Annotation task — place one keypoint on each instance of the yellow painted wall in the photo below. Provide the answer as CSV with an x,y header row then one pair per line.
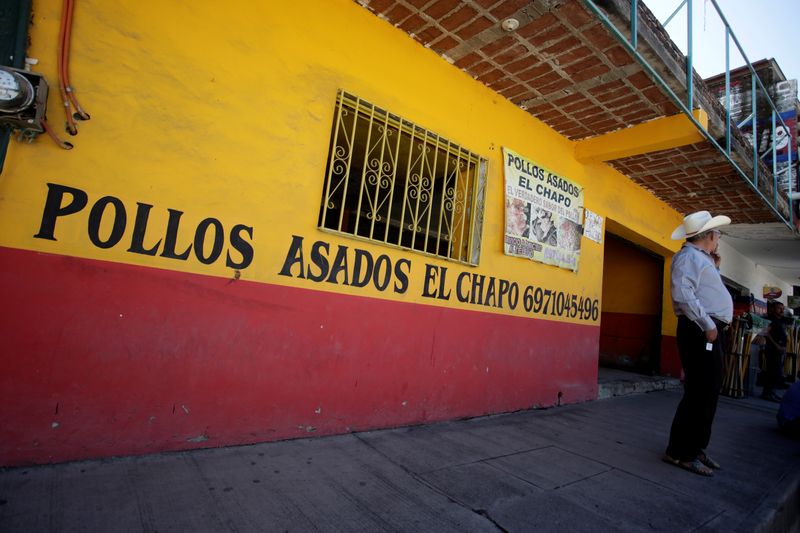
x,y
225,111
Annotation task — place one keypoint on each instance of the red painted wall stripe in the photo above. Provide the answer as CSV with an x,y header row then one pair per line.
x,y
104,359
670,360
630,340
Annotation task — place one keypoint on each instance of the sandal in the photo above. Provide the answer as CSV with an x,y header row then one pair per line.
x,y
692,466
708,461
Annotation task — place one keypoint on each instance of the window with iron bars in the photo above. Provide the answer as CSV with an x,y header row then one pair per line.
x,y
393,182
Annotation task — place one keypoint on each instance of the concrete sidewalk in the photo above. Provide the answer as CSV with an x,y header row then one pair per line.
x,y
589,467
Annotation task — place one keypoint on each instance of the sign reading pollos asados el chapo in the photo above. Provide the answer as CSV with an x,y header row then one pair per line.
x,y
110,223
543,213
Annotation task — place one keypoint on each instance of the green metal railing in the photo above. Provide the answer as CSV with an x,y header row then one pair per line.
x,y
687,105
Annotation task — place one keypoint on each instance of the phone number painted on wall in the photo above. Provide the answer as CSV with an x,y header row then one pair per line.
x,y
320,262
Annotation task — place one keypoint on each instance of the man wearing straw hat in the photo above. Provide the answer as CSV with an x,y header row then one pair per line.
x,y
704,309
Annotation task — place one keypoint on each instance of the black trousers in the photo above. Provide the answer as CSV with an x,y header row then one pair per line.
x,y
773,373
691,427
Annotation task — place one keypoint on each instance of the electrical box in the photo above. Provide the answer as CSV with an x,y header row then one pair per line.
x,y
23,100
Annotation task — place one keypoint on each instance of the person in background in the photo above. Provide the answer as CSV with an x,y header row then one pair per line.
x,y
704,309
774,352
789,411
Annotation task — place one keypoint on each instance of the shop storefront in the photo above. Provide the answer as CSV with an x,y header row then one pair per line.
x,y
275,228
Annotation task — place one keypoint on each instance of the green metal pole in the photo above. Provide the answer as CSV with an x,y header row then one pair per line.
x,y
774,165
689,69
674,13
755,129
728,90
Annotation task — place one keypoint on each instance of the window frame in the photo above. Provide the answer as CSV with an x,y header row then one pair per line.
x,y
460,181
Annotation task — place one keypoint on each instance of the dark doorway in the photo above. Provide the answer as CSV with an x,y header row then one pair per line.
x,y
630,320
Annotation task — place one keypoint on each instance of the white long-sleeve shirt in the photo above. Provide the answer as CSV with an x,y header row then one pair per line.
x,y
697,289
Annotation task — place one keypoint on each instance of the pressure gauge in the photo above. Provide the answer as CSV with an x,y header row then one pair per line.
x,y
16,92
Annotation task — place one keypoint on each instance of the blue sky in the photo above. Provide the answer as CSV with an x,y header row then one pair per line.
x,y
764,28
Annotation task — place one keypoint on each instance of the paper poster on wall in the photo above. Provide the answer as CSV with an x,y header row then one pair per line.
x,y
543,213
593,226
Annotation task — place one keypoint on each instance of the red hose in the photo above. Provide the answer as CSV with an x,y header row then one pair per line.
x,y
61,144
83,115
72,128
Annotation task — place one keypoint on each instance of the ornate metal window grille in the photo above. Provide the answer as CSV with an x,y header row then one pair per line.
x,y
391,181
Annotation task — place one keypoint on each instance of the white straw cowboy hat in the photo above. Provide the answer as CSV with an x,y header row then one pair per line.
x,y
698,223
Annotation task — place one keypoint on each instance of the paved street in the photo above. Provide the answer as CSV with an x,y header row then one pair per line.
x,y
589,467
